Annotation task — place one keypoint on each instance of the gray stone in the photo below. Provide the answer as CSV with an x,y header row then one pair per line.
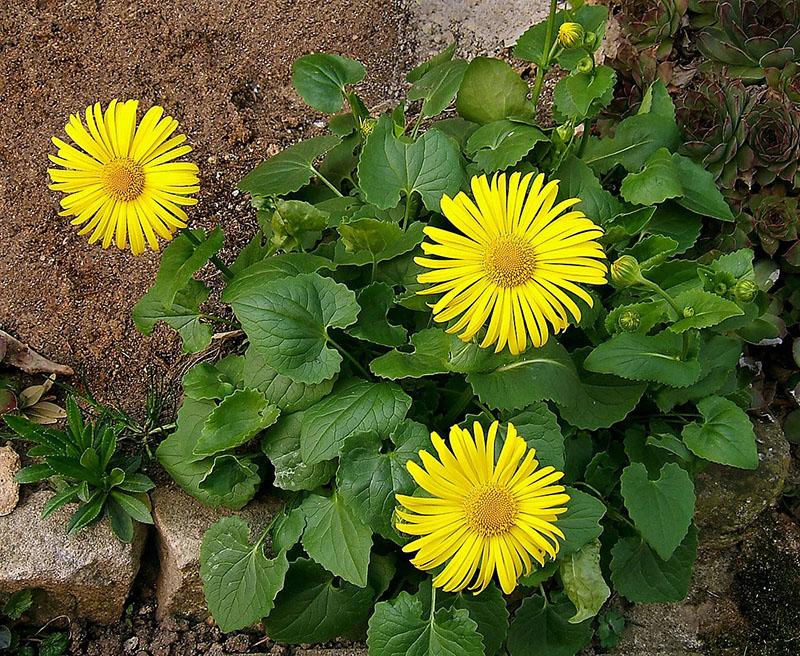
x,y
180,522
729,499
9,488
479,27
86,576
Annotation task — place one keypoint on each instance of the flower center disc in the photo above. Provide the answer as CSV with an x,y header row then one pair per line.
x,y
490,510
509,262
123,179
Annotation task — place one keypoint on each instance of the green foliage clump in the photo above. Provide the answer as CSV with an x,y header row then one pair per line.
x,y
342,376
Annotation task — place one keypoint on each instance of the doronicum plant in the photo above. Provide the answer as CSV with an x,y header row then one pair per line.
x,y
417,272
84,466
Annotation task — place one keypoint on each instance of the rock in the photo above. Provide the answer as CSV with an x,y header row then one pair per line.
x,y
180,522
9,488
730,499
86,576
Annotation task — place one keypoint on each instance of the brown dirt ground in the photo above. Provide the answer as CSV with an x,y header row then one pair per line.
x,y
222,68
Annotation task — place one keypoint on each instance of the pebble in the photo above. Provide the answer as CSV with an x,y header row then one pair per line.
x,y
130,645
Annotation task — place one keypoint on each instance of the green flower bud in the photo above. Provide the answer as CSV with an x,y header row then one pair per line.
x,y
721,288
590,40
745,290
570,34
367,126
565,132
625,271
629,320
585,65
688,311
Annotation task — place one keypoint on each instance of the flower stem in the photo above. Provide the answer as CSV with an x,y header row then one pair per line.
x,y
675,308
223,268
417,125
546,54
328,183
433,602
350,358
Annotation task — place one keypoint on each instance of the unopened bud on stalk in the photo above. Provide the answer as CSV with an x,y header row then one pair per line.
x,y
565,132
585,65
688,311
745,290
625,271
629,320
570,34
367,126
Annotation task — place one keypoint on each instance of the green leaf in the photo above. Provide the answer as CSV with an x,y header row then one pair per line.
x,y
725,435
430,356
227,472
235,421
311,608
281,444
438,86
336,538
17,604
673,221
583,581
652,250
296,225
501,144
438,59
545,373
136,508
368,241
373,324
538,426
635,140
320,79
33,474
641,576
540,627
287,322
54,644
490,91
370,476
205,381
239,582
288,394
181,259
390,168
578,181
581,523
661,509
355,407
580,95
655,183
121,522
700,192
400,627
87,512
707,310
289,170
255,276
533,42
655,358
188,470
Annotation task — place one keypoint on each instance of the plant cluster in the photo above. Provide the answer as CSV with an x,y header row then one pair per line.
x,y
15,642
738,105
350,364
83,465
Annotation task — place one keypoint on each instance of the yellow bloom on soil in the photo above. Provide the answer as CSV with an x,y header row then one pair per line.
x,y
516,264
482,517
121,181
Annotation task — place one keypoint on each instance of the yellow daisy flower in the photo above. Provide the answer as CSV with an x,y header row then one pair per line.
x,y
516,264
123,181
482,516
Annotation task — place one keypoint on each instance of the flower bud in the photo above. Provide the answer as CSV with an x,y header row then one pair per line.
x,y
565,132
625,271
629,320
367,126
745,290
570,34
585,65
688,311
590,40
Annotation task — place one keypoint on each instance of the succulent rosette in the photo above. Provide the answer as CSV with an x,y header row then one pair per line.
x,y
652,22
753,35
772,149
776,217
712,117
